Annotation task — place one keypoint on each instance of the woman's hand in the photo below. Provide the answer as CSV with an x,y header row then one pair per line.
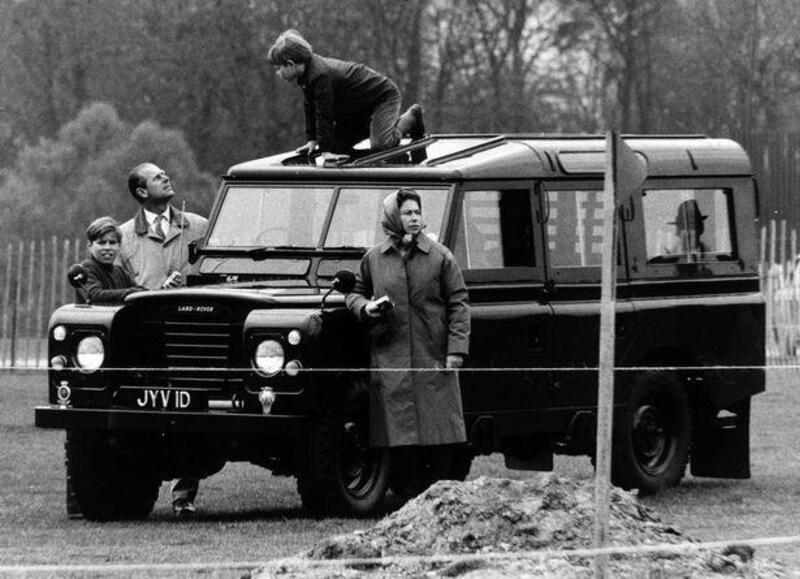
x,y
372,309
454,361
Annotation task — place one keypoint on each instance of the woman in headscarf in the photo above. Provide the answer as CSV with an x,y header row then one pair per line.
x,y
426,326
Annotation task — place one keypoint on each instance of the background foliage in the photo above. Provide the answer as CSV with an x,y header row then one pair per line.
x,y
185,84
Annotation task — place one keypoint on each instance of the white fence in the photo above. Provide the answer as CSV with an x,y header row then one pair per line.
x,y
34,283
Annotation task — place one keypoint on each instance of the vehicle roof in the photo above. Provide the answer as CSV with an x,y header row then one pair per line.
x,y
509,156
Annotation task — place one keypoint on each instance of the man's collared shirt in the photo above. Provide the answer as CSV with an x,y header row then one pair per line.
x,y
147,258
151,218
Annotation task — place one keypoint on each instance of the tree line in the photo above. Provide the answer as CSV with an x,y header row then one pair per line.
x,y
88,87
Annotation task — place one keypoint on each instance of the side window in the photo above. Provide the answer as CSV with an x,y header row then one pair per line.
x,y
495,230
575,228
687,225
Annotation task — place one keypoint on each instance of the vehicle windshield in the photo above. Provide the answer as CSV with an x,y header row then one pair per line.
x,y
272,216
295,216
357,219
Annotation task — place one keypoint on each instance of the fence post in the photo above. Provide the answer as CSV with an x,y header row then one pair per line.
x,y
769,252
40,305
53,273
792,308
15,311
7,299
64,265
30,305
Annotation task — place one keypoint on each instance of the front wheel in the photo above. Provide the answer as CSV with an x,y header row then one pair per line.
x,y
341,473
107,481
652,436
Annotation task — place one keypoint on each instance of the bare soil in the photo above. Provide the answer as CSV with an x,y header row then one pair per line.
x,y
498,515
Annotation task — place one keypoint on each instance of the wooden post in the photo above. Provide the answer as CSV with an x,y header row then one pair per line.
x,y
605,395
40,332
53,274
15,311
773,233
6,338
624,175
30,306
793,306
782,247
772,285
63,274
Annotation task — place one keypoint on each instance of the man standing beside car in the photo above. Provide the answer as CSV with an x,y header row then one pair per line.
x,y
155,251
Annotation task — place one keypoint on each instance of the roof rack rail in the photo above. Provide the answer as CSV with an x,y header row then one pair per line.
x,y
494,138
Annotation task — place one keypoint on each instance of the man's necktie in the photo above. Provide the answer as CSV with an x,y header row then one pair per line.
x,y
158,227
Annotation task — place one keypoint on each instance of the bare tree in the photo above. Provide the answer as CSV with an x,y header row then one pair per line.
x,y
758,48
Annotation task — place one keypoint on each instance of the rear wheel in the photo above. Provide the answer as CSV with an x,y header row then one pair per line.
x,y
341,473
652,437
107,481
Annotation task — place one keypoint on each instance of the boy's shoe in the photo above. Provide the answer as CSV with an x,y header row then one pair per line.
x,y
411,123
183,508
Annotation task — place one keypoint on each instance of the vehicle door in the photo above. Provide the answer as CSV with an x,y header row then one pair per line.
x,y
496,241
574,250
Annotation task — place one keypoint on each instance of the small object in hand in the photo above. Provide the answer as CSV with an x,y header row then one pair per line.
x,y
384,303
171,279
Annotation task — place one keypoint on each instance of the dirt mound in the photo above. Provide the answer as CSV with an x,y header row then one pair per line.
x,y
490,516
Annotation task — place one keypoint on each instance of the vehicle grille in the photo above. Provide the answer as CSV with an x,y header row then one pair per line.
x,y
174,350
196,346
193,344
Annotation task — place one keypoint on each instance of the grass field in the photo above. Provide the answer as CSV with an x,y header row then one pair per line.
x,y
248,515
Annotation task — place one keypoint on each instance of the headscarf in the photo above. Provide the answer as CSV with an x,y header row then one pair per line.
x,y
392,223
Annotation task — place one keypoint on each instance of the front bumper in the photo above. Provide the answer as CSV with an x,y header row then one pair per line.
x,y
55,416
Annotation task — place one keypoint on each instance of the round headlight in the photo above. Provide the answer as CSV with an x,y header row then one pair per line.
x,y
59,333
269,357
90,353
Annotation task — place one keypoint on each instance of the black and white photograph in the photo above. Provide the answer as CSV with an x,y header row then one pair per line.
x,y
400,288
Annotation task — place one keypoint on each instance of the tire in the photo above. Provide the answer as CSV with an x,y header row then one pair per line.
x,y
341,474
106,483
652,437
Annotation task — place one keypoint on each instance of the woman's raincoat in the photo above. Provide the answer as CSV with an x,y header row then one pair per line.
x,y
430,319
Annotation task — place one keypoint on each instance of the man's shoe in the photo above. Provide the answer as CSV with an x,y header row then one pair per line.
x,y
183,508
418,129
411,123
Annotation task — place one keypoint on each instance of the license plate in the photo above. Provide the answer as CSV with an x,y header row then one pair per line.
x,y
163,399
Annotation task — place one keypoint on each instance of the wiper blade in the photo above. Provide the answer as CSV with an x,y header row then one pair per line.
x,y
266,250
281,251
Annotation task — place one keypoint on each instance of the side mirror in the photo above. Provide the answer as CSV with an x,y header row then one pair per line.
x,y
344,281
193,253
76,276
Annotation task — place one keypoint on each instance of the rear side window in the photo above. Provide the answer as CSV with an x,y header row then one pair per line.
x,y
495,230
687,225
575,228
